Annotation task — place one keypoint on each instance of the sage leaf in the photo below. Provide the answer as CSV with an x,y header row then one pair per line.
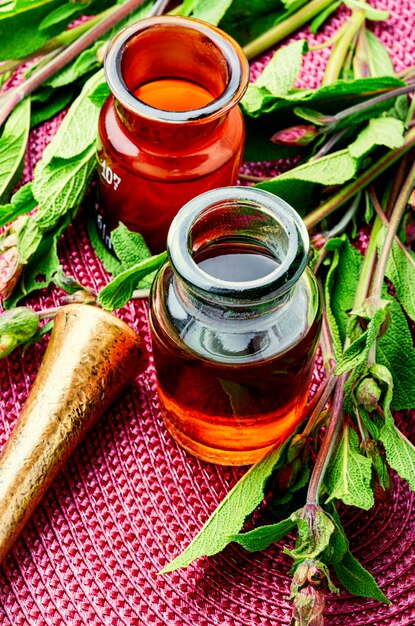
x,y
44,110
85,63
21,202
315,529
60,16
357,580
380,63
108,260
400,452
357,353
129,247
261,538
230,515
19,35
322,17
206,10
299,186
380,131
61,187
390,348
13,143
335,97
283,69
350,473
119,291
400,270
79,128
340,288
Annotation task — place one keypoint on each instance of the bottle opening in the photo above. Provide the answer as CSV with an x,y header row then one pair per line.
x,y
238,243
176,69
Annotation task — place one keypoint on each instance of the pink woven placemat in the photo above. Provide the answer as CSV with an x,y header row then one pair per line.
x,y
129,499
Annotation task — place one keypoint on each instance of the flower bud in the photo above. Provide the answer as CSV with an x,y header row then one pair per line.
x,y
10,271
309,607
300,135
16,328
368,394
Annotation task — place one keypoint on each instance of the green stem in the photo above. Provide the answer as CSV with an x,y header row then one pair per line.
x,y
338,56
348,191
395,220
285,28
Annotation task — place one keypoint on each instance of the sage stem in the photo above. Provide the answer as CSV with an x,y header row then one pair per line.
x,y
368,176
285,28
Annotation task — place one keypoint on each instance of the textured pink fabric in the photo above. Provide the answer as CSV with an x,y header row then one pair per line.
x,y
130,498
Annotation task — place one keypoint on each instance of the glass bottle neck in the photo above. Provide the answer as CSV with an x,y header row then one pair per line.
x,y
237,249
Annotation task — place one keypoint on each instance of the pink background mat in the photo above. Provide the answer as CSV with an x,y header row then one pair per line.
x,y
130,499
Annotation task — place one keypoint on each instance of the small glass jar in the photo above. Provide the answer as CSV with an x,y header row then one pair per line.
x,y
235,317
171,128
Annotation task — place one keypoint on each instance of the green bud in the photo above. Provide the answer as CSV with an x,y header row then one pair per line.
x,y
368,394
16,328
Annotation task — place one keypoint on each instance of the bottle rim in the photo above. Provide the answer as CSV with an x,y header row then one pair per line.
x,y
233,54
287,222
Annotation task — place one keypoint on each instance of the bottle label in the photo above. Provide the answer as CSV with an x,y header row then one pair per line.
x,y
102,227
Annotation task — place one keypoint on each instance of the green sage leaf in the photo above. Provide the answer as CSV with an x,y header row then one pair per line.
x,y
13,143
350,473
261,538
400,452
108,260
390,348
380,131
370,12
21,202
206,10
119,291
357,580
299,186
400,270
380,63
230,515
60,16
283,69
129,247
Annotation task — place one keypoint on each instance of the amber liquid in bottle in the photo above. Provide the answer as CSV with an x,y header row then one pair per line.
x,y
173,94
239,397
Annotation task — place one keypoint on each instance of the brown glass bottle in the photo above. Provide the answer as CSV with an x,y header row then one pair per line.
x,y
235,318
171,128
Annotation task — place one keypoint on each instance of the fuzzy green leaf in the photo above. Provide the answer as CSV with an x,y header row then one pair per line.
x,y
129,247
380,63
21,202
53,104
60,16
323,16
400,452
283,69
357,580
60,187
208,11
260,538
350,473
401,272
380,131
119,291
13,143
298,185
395,350
86,62
230,515
340,289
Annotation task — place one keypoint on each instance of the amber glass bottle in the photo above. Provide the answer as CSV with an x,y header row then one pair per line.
x,y
171,128
235,318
